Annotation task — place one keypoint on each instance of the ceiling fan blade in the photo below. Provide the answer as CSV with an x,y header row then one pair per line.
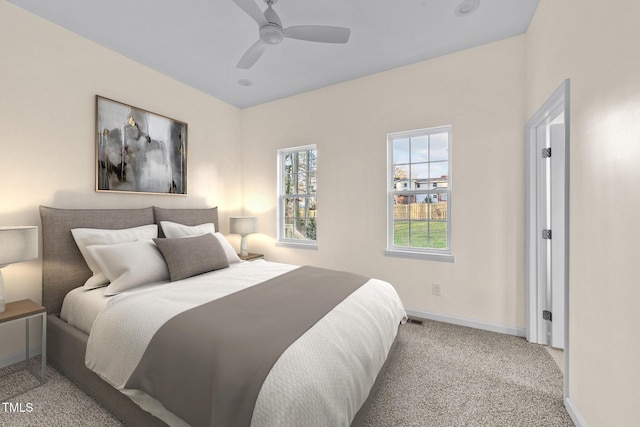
x,y
252,55
318,33
272,16
252,9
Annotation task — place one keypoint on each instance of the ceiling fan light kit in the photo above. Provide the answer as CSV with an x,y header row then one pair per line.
x,y
272,32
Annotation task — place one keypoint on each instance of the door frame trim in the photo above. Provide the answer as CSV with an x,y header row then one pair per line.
x,y
558,100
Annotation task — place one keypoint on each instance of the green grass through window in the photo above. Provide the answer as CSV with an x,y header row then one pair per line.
x,y
420,234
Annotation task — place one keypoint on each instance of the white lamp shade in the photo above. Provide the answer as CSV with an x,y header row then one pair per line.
x,y
243,225
18,244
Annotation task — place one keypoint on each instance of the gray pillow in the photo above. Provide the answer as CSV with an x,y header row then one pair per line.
x,y
191,256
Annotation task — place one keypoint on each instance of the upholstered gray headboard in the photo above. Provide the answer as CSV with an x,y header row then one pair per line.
x,y
63,267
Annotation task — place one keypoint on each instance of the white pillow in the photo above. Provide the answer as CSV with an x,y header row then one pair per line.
x,y
131,264
93,236
232,256
173,230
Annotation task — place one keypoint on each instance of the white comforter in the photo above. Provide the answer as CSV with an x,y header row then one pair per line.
x,y
361,330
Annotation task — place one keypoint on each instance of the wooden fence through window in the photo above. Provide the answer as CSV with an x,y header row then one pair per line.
x,y
437,211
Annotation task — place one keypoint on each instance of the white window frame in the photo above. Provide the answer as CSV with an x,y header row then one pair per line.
x,y
433,254
281,239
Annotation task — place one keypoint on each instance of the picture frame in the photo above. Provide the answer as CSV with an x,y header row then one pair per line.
x,y
138,151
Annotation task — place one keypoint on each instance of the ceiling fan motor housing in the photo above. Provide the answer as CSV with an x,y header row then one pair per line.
x,y
271,33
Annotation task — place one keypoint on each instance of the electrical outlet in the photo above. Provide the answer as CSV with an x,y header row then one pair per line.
x,y
437,289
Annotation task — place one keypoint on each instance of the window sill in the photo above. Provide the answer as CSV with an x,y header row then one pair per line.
x,y
300,245
420,255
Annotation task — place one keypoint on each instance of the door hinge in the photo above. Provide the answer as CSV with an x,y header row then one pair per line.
x,y
546,234
546,153
546,315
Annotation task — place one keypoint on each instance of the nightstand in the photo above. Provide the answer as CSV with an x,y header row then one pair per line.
x,y
251,257
27,310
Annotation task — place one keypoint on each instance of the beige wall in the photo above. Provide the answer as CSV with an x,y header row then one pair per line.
x,y
481,93
596,45
49,78
48,81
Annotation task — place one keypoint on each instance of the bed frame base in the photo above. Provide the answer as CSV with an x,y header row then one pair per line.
x,y
66,349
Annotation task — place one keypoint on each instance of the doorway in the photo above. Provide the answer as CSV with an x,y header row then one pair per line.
x,y
547,222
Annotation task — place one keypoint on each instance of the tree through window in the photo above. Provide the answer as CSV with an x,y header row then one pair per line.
x,y
297,204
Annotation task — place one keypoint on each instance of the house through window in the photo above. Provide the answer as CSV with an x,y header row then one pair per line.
x,y
419,193
297,204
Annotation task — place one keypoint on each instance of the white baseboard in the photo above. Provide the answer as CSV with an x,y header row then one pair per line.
x,y
493,327
573,413
19,357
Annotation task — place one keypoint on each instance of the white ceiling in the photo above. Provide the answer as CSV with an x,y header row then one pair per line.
x,y
199,42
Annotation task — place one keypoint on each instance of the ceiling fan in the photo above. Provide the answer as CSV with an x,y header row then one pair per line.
x,y
272,32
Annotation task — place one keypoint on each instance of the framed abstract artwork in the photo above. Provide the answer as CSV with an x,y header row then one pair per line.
x,y
138,151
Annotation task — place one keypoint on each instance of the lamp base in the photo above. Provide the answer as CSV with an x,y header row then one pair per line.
x,y
244,246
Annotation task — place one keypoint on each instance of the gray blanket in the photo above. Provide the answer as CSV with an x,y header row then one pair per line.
x,y
207,364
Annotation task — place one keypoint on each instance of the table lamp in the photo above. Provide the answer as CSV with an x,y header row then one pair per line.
x,y
243,225
17,244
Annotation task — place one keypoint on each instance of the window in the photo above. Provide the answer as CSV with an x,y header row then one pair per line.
x,y
419,190
297,205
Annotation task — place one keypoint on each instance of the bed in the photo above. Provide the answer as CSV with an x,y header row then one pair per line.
x,y
347,347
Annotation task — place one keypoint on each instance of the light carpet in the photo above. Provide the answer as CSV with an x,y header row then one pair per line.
x,y
447,375
440,375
